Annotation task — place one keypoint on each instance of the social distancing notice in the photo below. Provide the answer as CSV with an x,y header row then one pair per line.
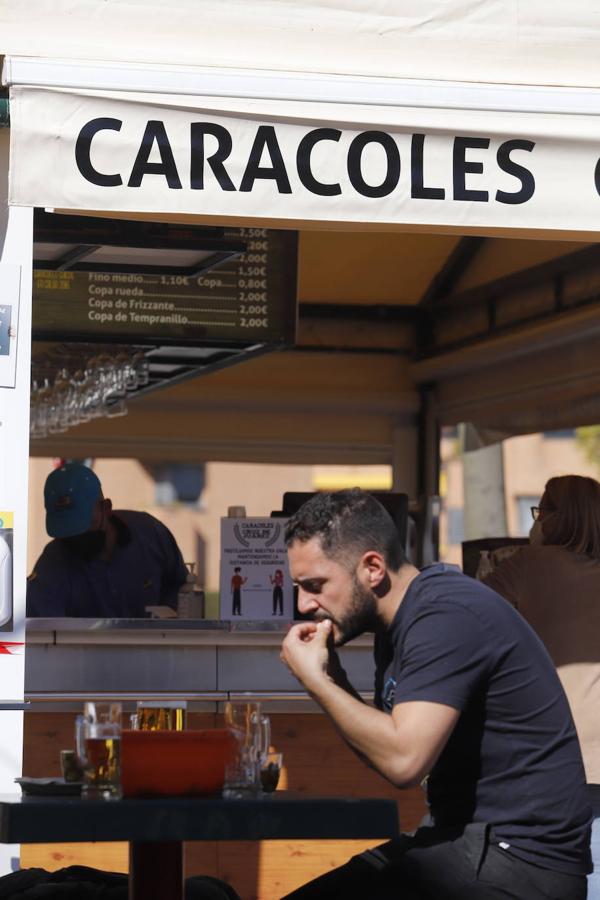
x,y
255,582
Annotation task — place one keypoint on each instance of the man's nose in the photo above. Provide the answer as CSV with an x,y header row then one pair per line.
x,y
307,602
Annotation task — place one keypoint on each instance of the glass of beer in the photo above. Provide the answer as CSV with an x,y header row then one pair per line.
x,y
160,715
98,741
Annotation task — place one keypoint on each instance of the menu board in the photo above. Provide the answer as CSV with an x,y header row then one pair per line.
x,y
250,298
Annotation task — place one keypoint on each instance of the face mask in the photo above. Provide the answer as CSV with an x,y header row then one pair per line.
x,y
536,535
86,546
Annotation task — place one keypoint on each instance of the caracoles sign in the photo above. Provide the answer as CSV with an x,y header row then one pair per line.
x,y
211,147
251,161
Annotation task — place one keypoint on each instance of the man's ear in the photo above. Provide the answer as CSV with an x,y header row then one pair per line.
x,y
373,568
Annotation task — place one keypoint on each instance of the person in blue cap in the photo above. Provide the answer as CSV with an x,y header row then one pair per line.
x,y
102,563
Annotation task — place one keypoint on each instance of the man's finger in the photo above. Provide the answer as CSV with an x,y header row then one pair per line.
x,y
305,631
323,630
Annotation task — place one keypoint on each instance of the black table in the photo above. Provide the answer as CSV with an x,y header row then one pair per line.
x,y
157,827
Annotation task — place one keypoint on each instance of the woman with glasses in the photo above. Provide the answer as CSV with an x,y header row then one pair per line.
x,y
555,585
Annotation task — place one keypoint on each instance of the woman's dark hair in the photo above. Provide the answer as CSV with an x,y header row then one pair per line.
x,y
347,523
570,514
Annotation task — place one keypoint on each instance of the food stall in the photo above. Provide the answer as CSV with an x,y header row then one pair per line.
x,y
439,200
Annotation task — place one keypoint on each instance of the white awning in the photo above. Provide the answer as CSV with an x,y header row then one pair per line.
x,y
369,153
493,41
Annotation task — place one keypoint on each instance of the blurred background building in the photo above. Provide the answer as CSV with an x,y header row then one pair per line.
x,y
191,499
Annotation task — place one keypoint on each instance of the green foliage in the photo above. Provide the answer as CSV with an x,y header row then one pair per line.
x,y
588,440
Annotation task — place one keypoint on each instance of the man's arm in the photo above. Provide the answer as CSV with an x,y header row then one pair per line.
x,y
174,570
402,747
338,675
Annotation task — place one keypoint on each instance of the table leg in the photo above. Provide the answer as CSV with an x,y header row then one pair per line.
x,y
156,870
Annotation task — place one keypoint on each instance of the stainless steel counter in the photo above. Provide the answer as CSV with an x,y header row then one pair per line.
x,y
203,661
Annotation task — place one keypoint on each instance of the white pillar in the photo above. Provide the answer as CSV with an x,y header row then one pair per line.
x,y
16,238
485,503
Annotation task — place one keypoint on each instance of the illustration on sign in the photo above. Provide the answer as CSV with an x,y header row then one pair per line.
x,y
9,318
6,567
255,580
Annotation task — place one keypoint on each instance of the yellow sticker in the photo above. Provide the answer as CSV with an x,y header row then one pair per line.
x,y
6,519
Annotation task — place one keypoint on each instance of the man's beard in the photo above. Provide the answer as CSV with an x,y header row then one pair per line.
x,y
361,616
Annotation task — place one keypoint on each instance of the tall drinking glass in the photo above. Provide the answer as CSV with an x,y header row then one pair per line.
x,y
252,731
98,742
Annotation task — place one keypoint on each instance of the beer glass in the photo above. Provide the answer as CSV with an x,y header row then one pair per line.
x,y
98,742
160,715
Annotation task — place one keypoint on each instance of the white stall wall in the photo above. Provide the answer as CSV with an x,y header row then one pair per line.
x,y
16,231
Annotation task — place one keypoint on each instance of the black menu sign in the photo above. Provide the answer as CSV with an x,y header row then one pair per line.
x,y
247,299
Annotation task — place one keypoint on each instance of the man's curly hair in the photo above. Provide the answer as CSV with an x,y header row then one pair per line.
x,y
347,524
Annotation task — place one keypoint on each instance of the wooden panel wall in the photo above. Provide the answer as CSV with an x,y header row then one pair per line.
x,y
316,761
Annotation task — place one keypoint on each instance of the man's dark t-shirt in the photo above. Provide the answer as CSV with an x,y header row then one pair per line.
x,y
513,760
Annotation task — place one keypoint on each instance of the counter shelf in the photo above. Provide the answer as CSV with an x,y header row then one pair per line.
x,y
205,662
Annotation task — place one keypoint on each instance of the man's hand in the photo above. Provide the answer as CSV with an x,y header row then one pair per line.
x,y
305,651
404,746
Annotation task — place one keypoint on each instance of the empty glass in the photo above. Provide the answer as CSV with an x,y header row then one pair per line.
x,y
242,776
250,727
98,387
252,731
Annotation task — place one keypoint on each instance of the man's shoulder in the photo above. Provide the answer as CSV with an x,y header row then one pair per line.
x,y
443,590
443,579
133,515
53,552
139,520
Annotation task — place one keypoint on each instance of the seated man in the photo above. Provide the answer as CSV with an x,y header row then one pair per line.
x,y
101,563
467,699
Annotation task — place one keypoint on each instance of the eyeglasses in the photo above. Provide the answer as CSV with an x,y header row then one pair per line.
x,y
537,512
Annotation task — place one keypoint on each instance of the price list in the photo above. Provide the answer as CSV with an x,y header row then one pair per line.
x,y
247,299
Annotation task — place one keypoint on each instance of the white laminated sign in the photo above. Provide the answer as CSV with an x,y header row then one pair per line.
x,y
9,319
255,579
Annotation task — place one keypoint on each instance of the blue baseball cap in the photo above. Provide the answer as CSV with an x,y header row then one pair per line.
x,y
70,495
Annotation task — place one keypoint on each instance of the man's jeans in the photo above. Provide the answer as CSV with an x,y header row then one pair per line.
x,y
430,865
